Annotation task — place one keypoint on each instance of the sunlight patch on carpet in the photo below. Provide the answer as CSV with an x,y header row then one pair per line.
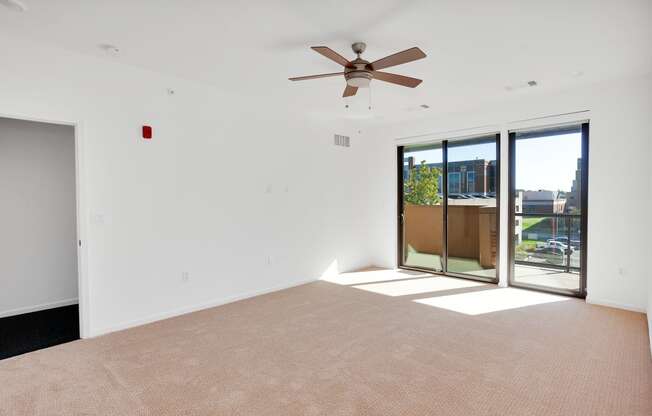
x,y
487,301
415,286
371,276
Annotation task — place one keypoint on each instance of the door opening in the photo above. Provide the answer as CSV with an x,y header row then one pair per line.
x,y
39,277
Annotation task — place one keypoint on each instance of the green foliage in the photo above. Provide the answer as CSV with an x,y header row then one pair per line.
x,y
422,185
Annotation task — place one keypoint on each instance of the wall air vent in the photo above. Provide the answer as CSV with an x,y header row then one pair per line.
x,y
344,141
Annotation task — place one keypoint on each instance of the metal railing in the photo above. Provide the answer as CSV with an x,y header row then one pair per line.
x,y
557,237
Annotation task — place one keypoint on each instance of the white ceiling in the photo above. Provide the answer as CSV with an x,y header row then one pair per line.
x,y
475,48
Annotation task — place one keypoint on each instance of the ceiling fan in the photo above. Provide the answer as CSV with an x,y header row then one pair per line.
x,y
359,73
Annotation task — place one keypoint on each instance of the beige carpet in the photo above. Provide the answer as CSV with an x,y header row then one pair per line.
x,y
329,348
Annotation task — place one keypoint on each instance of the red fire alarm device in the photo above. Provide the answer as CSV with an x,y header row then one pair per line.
x,y
147,132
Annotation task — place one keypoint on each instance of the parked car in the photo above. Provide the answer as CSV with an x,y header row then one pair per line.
x,y
550,255
574,244
562,239
558,244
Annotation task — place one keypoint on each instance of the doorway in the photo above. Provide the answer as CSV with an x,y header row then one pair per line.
x,y
448,207
39,284
548,181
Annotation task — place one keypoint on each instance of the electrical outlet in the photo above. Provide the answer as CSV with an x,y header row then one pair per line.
x,y
185,276
98,219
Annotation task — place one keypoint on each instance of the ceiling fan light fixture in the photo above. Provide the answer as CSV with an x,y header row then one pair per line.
x,y
358,79
358,82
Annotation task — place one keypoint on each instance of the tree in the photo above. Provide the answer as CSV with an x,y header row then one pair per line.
x,y
422,185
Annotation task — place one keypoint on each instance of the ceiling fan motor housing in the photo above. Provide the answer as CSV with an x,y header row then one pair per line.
x,y
357,75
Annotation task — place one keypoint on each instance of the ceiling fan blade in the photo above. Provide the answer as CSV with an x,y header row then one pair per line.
x,y
333,74
331,54
349,91
398,58
396,79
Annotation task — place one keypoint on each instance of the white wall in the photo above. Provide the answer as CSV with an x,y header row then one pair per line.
x,y
241,193
619,177
38,241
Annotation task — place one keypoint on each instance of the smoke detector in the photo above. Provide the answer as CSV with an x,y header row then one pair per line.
x,y
15,5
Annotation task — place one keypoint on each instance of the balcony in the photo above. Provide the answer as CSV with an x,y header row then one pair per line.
x,y
547,250
472,236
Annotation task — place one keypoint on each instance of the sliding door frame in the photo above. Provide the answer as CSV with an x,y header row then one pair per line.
x,y
444,194
401,217
584,185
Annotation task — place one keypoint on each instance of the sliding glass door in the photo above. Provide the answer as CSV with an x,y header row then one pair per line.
x,y
448,210
472,221
422,210
548,198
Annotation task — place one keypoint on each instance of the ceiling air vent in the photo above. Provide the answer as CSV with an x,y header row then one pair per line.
x,y
344,141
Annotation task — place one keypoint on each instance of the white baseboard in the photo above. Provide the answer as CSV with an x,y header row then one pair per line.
x,y
611,304
194,308
40,307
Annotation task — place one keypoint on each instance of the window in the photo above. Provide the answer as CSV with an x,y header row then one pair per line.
x,y
546,168
454,183
470,182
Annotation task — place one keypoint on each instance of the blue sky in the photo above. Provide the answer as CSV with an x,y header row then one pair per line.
x,y
547,162
541,163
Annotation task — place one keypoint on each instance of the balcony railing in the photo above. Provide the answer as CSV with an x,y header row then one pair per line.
x,y
548,240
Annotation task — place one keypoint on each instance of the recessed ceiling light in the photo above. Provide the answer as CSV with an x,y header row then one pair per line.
x,y
15,5
108,48
521,86
577,73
